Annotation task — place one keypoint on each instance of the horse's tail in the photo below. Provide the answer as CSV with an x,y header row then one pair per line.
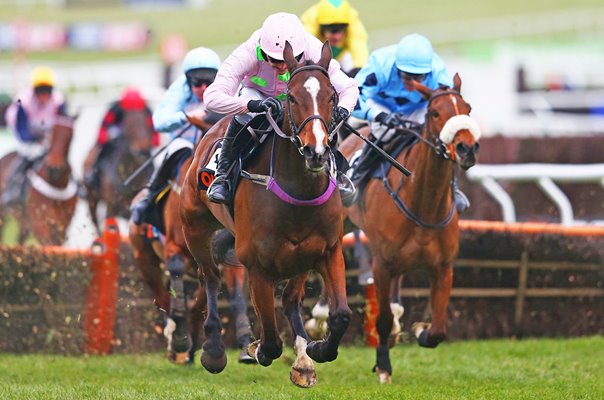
x,y
223,248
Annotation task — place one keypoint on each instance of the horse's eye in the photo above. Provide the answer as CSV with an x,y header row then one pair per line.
x,y
434,114
290,98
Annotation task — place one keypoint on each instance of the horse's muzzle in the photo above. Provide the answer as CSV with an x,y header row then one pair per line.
x,y
466,155
314,161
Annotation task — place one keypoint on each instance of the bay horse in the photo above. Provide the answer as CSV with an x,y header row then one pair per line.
x,y
52,194
412,222
122,156
282,233
184,304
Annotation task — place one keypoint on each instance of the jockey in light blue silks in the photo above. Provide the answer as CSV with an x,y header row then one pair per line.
x,y
183,101
385,97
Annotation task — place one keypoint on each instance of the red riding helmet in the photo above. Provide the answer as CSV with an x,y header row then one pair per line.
x,y
132,100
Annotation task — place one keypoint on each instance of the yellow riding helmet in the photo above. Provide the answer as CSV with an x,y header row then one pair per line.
x,y
333,12
42,76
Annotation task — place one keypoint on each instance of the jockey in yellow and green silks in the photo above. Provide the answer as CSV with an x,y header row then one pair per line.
x,y
337,22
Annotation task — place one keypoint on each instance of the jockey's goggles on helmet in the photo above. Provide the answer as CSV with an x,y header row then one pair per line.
x,y
201,76
415,77
333,28
272,60
43,89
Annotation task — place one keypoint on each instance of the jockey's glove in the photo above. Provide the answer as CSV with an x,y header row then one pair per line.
x,y
270,103
391,120
341,114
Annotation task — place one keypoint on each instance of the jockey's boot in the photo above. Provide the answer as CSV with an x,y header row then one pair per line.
x,y
345,185
368,155
220,191
15,186
158,181
461,200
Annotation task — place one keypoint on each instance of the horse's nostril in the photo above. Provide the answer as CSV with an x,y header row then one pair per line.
x,y
308,152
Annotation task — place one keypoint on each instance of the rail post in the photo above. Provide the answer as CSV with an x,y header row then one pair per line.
x,y
102,293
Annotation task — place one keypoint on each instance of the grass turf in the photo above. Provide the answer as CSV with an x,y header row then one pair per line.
x,y
490,369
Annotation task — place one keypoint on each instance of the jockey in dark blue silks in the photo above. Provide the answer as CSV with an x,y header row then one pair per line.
x,y
183,101
385,95
31,116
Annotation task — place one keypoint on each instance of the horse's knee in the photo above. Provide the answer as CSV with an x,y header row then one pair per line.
x,y
425,339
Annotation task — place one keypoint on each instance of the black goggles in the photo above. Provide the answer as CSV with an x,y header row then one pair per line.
x,y
43,89
201,76
272,60
414,77
333,28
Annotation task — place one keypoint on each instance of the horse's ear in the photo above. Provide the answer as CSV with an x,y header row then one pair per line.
x,y
457,83
325,55
288,57
424,90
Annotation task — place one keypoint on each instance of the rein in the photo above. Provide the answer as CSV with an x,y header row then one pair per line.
x,y
442,150
269,181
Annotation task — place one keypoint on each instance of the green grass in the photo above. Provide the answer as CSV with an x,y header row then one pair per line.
x,y
493,369
227,22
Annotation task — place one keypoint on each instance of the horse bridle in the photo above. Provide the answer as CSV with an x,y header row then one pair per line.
x,y
332,127
441,148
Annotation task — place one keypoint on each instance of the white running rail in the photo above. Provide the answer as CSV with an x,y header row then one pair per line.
x,y
544,175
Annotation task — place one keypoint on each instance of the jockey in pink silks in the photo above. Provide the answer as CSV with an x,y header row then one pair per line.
x,y
253,79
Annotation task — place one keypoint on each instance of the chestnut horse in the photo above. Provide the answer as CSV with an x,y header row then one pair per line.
x,y
185,303
53,192
281,233
122,157
411,222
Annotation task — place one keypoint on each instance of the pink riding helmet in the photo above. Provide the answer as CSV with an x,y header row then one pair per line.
x,y
278,28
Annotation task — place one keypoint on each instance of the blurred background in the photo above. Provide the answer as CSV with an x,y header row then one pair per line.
x,y
529,69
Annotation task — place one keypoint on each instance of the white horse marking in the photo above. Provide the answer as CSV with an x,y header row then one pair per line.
x,y
313,86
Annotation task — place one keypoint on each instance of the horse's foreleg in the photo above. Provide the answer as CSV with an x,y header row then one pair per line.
x,y
303,372
235,280
334,279
149,264
181,339
270,346
430,335
196,310
316,327
384,321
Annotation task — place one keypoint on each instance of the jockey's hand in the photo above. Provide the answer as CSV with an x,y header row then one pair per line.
x,y
341,114
270,103
197,118
391,120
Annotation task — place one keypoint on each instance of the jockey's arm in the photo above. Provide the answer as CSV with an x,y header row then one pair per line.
x,y
220,96
169,114
369,85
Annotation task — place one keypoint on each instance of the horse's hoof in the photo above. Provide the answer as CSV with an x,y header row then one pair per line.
x,y
418,327
384,376
214,365
303,378
251,348
245,358
181,344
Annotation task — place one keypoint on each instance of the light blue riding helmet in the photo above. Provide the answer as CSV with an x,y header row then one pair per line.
x,y
414,54
201,57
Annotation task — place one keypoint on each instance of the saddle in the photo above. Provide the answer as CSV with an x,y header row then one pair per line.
x,y
247,143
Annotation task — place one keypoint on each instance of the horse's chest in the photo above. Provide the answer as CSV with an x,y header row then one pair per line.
x,y
292,256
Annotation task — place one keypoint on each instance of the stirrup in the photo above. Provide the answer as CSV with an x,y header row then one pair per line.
x,y
347,189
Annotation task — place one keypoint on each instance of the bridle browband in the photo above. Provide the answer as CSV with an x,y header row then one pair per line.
x,y
331,128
